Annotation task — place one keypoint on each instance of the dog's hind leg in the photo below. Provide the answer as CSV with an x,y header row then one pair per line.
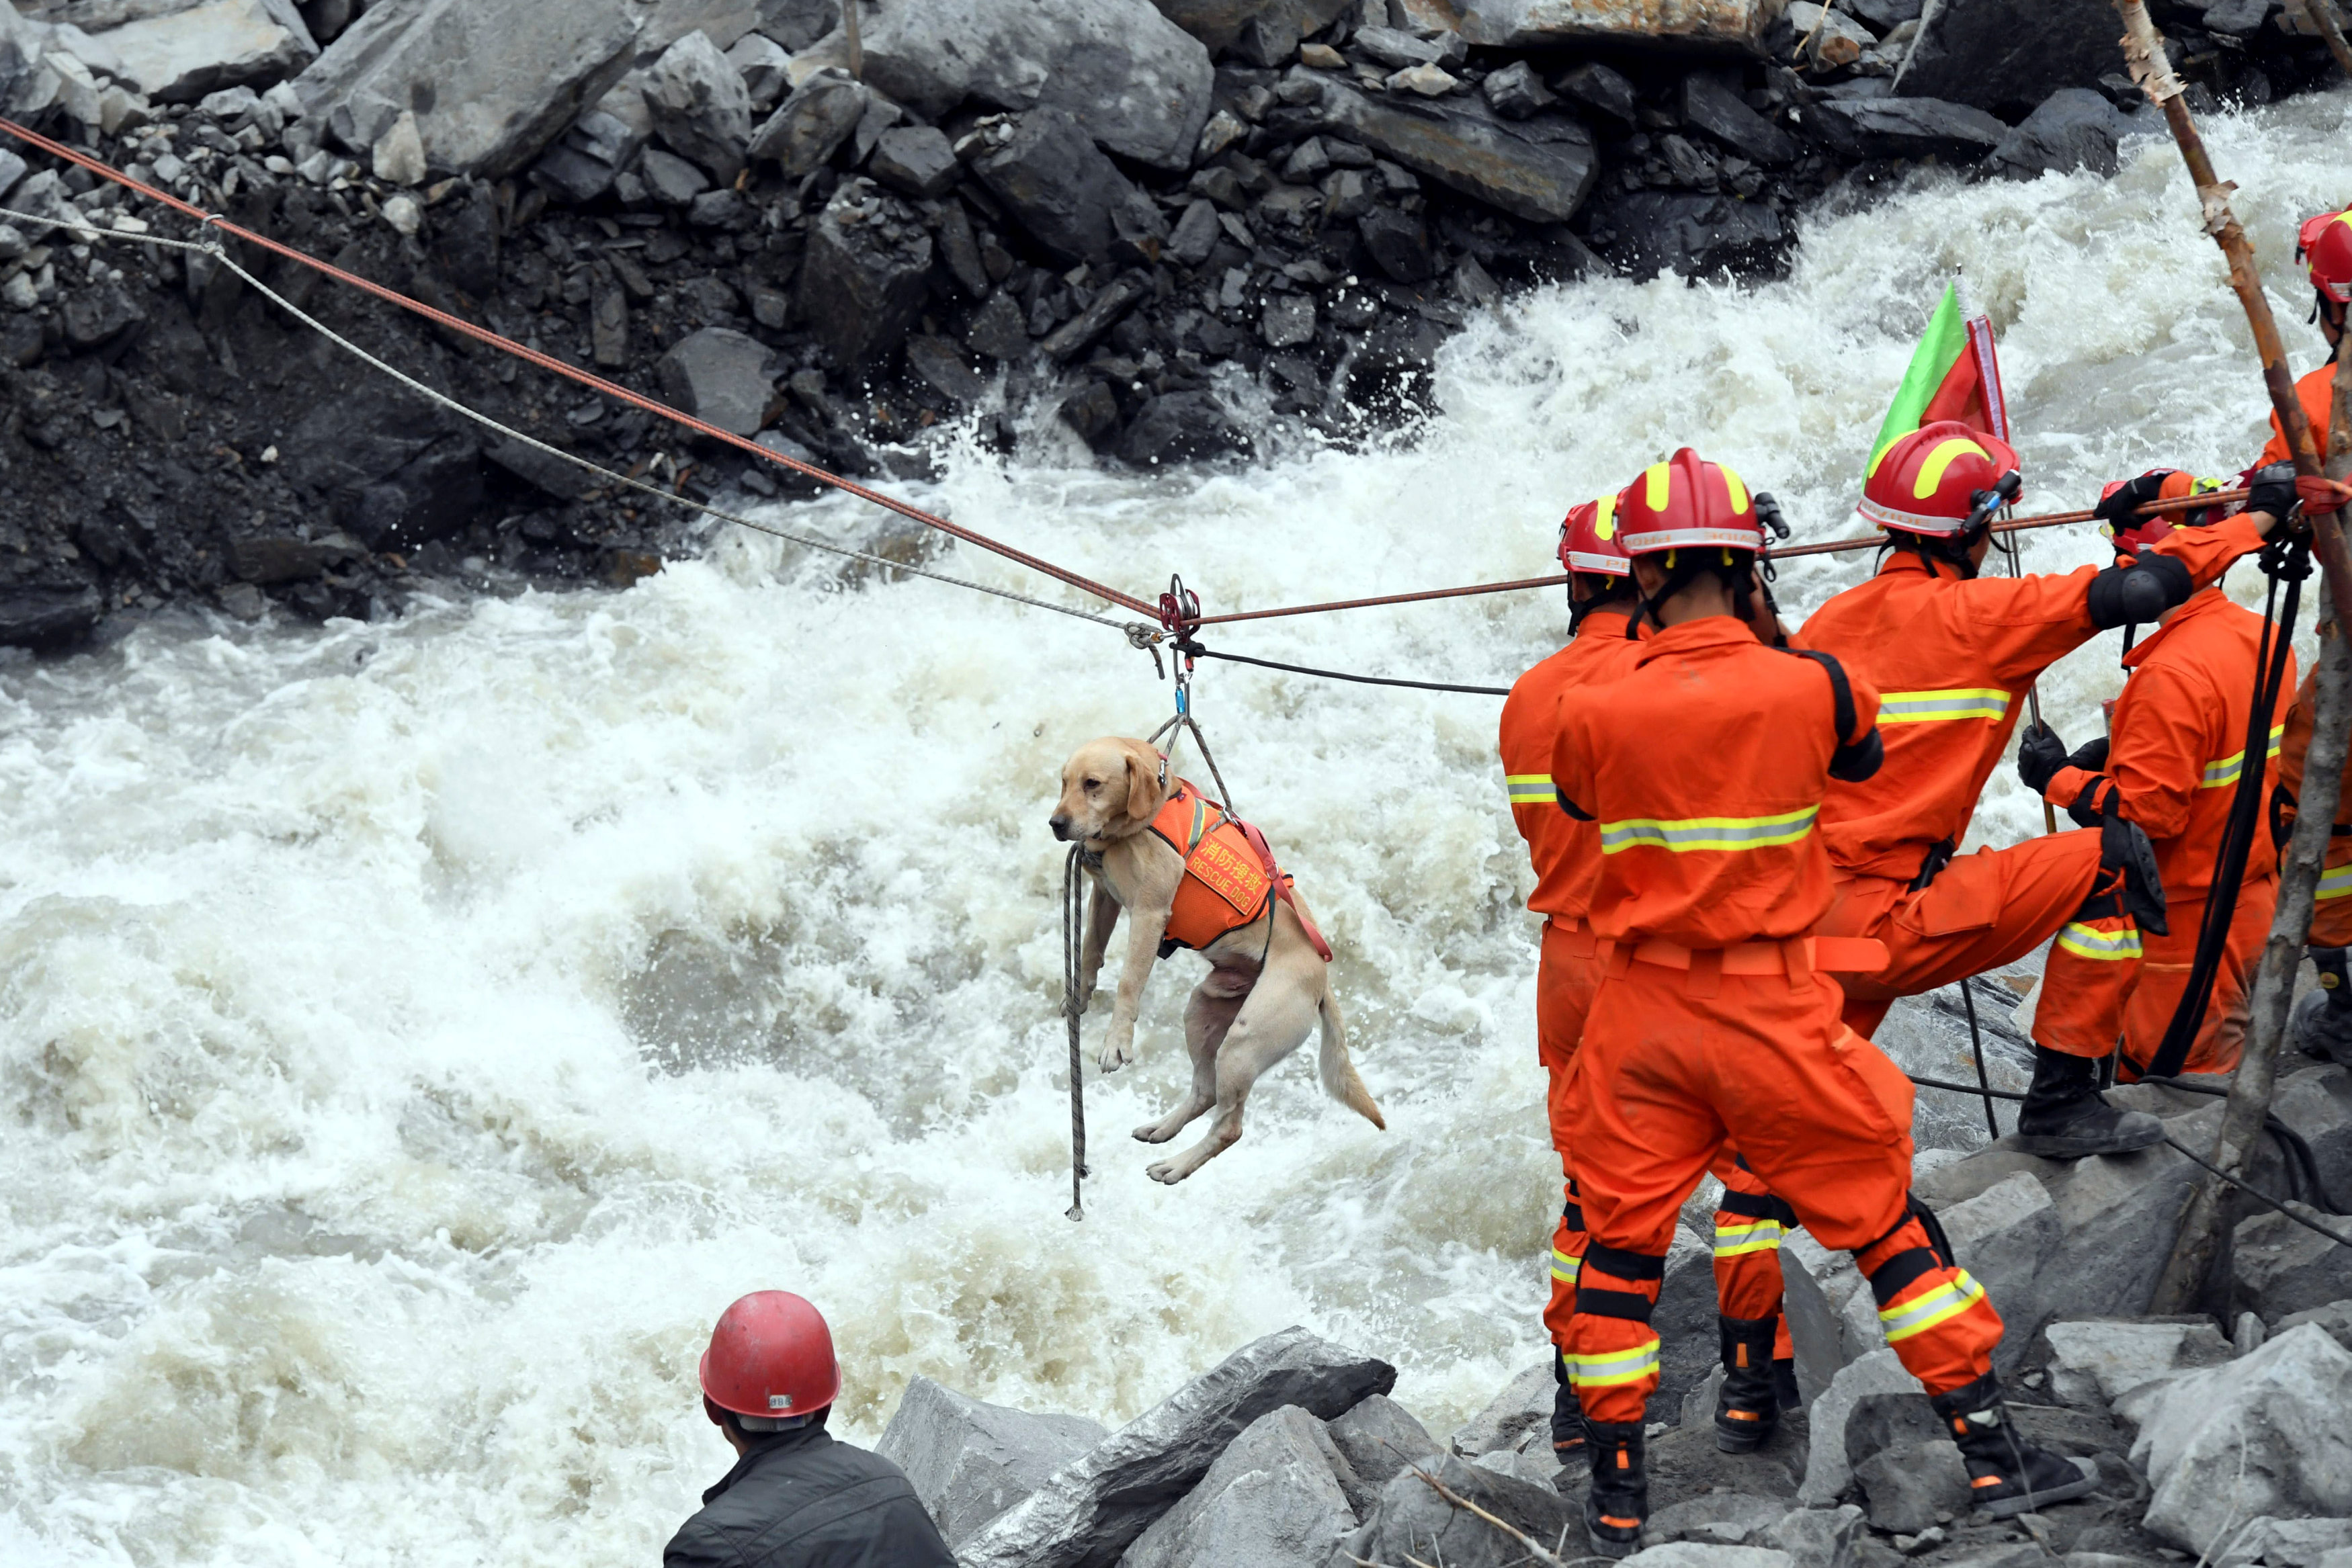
x,y
1207,1016
1274,1020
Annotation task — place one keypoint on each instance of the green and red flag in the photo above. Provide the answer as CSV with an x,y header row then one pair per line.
x,y
1954,374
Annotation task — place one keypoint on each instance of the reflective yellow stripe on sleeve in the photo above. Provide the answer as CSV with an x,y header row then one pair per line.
x,y
1564,1267
1611,1368
1918,1315
2219,775
1708,832
2336,882
1531,790
1928,707
1748,1236
2090,942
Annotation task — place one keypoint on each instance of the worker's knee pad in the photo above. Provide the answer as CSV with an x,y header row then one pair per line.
x,y
1638,1268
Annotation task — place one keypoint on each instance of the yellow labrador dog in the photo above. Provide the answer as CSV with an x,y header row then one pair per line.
x,y
1268,980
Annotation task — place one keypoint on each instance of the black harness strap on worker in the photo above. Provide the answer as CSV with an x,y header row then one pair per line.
x,y
2287,561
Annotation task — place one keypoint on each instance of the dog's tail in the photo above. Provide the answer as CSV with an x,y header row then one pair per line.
x,y
1339,1069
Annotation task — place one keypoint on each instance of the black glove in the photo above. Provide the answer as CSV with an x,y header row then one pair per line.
x,y
2091,757
2124,847
2122,509
2040,755
2272,490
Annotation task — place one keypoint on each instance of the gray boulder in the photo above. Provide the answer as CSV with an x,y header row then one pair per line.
x,y
1539,170
1095,1508
1415,1521
1828,1470
1140,84
1516,92
797,24
700,108
864,279
496,82
1906,128
721,377
1195,234
2008,55
1690,1345
181,56
2335,1320
813,124
2285,1542
396,472
998,329
1670,231
1599,89
1713,107
1273,1500
1718,1519
1523,1406
1379,1439
1218,24
2100,1360
970,1461
1101,314
34,616
1817,1537
2263,1435
915,159
2075,128
765,66
2282,1268
2006,1237
1060,187
1542,24
1702,1554
1911,1483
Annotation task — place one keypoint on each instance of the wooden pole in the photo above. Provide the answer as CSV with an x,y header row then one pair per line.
x,y
857,44
2321,17
2200,1238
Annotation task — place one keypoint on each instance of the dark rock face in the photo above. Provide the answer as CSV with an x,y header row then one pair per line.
x,y
1907,127
1057,184
1542,176
2075,128
2008,55
1657,231
863,283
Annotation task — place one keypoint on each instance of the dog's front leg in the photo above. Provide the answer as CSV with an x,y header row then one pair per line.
x,y
1143,933
1102,917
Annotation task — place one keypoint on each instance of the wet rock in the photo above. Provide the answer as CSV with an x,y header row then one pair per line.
x,y
396,472
1138,83
1910,1484
1667,231
970,1461
1268,40
1400,50
1379,1437
1462,145
1094,1508
1195,234
242,600
1690,1345
2263,1435
2284,1542
1060,187
180,55
669,179
998,330
1398,243
798,24
1415,1521
1273,1500
916,158
36,617
1514,92
274,560
1817,1537
1906,128
1080,331
2007,55
2009,1236
1828,1470
1711,106
1717,1518
700,108
1544,24
1177,426
2075,128
1523,1406
812,125
95,317
2334,1318
763,64
2282,1268
1092,411
1218,24
2099,1360
1601,90
542,470
12,169
866,275
490,87
721,377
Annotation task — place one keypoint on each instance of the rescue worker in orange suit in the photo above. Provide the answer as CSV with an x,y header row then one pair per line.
x,y
1953,653
1603,645
1703,771
2325,246
796,1497
2170,764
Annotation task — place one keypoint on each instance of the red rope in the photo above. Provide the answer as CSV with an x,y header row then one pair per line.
x,y
594,382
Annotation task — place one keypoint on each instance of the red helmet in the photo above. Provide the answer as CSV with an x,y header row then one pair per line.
x,y
771,1355
1590,539
2325,243
1927,482
1687,501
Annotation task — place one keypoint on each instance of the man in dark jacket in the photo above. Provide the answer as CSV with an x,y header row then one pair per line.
x,y
796,1499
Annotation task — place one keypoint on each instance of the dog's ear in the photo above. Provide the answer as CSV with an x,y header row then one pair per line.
x,y
1145,793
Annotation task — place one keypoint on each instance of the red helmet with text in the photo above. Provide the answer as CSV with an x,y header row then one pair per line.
x,y
1686,502
2326,243
771,1357
1928,482
1590,540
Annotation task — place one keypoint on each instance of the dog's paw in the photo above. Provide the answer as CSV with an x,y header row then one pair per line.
x,y
1149,1133
1167,1172
1116,1054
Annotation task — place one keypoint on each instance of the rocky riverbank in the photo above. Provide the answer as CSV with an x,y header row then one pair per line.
x,y
1169,229
2216,1436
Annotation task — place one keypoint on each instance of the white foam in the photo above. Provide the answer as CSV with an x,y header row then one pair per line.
x,y
417,1033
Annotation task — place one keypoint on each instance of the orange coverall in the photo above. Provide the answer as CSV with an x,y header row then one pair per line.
x,y
2317,392
1952,659
1567,858
2177,746
1704,772
2331,915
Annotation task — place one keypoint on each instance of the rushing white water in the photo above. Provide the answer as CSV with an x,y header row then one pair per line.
x,y
411,1036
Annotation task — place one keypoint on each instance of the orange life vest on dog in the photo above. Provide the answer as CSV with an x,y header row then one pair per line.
x,y
1230,875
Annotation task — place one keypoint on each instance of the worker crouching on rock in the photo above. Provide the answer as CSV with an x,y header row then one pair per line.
x,y
796,1499
1703,770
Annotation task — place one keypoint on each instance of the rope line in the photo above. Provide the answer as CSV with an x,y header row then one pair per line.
x,y
214,221
1360,679
1074,921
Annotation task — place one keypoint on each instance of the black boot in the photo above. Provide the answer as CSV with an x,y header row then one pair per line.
x,y
2323,1021
2007,1474
1620,1499
1784,1383
1567,1414
1748,1410
2064,1117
